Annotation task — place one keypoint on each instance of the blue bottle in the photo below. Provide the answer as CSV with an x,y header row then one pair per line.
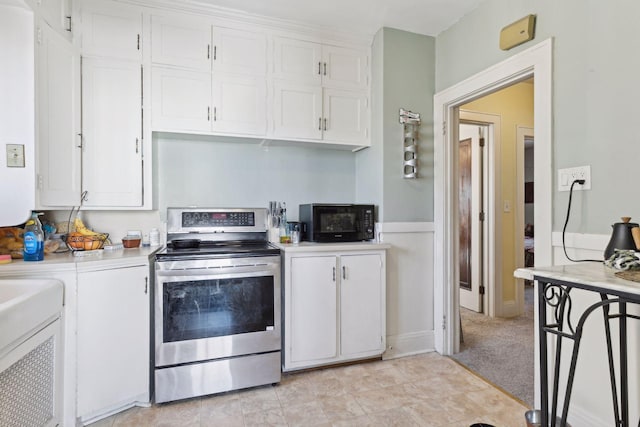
x,y
33,240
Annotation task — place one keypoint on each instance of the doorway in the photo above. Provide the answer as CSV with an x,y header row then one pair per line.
x,y
535,61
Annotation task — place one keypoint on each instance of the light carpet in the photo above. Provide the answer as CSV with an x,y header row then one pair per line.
x,y
501,350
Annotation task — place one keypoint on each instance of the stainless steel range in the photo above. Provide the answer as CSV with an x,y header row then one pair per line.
x,y
216,304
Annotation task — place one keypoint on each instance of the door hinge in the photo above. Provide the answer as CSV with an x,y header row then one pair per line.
x,y
39,35
444,128
481,216
482,142
481,290
444,322
40,182
68,23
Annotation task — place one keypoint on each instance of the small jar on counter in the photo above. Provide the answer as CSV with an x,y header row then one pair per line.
x,y
154,237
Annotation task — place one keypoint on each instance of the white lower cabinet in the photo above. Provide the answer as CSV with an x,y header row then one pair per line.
x,y
112,340
334,307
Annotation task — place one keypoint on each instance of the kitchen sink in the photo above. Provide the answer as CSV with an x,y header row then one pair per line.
x,y
26,306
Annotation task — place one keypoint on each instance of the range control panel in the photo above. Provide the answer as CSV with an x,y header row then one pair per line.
x,y
218,219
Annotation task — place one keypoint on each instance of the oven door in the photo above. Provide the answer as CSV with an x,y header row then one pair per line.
x,y
210,309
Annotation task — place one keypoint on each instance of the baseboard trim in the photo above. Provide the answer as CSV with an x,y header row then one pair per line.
x,y
596,242
409,344
583,418
510,309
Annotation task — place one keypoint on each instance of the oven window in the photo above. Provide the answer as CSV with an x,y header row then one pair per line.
x,y
218,307
337,222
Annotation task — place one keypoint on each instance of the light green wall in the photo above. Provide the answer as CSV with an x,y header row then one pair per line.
x,y
197,171
595,91
403,75
369,161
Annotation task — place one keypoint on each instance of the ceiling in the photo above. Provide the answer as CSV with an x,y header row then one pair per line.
x,y
428,17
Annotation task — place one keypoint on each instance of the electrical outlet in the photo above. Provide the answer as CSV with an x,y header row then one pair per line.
x,y
568,175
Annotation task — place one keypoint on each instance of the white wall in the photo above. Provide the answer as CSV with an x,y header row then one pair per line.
x,y
17,112
410,323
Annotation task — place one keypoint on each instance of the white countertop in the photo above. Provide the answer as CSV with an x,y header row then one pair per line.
x,y
332,247
588,273
67,261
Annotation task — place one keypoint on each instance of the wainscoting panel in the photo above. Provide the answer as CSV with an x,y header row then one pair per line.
x,y
410,322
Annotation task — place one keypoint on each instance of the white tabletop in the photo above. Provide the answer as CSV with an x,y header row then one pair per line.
x,y
593,274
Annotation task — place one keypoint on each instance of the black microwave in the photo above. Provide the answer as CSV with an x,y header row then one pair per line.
x,y
324,222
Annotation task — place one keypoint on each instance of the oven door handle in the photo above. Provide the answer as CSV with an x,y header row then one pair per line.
x,y
265,269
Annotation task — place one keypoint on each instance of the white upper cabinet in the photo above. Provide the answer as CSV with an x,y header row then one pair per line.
x,y
345,116
181,100
317,64
207,78
239,52
57,13
111,29
112,133
239,104
181,42
344,68
58,121
297,111
297,61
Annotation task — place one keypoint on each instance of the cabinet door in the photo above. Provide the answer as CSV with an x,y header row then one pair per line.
x,y
239,51
361,304
111,29
181,42
344,68
58,105
314,317
112,132
239,104
57,14
297,111
181,100
297,61
345,116
113,339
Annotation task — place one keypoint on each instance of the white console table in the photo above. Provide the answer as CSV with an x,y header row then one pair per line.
x,y
556,321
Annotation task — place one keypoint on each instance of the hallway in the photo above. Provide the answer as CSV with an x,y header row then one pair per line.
x,y
501,350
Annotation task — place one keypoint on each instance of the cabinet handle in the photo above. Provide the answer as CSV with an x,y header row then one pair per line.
x,y
325,124
319,123
84,196
319,65
215,52
80,146
344,272
138,43
334,274
208,51
325,68
215,114
137,145
146,285
208,114
69,23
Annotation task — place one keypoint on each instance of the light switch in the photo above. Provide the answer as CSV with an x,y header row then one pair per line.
x,y
15,155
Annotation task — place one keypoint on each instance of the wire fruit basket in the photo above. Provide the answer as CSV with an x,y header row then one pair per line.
x,y
80,242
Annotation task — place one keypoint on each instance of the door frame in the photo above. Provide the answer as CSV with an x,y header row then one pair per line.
x,y
492,299
537,62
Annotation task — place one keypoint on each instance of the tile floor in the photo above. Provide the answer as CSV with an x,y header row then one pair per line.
x,y
426,390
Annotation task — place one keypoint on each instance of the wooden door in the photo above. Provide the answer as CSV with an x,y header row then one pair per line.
x,y
470,211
